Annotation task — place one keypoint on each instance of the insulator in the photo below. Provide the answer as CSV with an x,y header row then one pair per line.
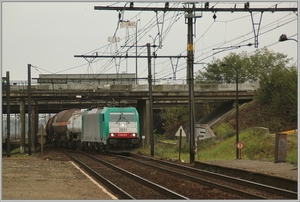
x,y
206,5
214,16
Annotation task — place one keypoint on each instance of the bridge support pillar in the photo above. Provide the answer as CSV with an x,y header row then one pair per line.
x,y
34,118
143,109
36,123
22,120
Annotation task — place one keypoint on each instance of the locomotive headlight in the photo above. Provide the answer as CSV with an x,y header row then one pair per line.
x,y
122,125
133,135
112,134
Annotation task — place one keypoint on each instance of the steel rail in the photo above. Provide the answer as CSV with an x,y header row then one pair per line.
x,y
271,189
118,191
203,182
156,187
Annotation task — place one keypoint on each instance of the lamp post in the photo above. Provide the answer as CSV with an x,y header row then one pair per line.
x,y
236,108
283,37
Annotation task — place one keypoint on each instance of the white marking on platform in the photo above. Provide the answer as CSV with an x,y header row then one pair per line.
x,y
96,183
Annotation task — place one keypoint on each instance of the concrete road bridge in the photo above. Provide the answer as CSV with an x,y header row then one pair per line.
x,y
52,98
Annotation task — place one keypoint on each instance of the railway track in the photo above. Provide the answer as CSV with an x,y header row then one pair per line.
x,y
166,180
123,184
183,186
245,188
259,177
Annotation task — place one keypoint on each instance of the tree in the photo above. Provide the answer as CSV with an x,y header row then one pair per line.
x,y
251,68
274,72
172,115
278,91
277,78
221,71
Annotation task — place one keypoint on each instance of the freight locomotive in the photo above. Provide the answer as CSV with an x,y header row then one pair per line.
x,y
100,129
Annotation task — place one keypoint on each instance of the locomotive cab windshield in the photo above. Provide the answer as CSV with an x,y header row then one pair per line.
x,y
122,117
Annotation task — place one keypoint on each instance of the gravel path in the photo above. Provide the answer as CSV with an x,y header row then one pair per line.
x,y
32,178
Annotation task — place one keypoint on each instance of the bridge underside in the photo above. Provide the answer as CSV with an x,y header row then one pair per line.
x,y
54,101
57,98
44,107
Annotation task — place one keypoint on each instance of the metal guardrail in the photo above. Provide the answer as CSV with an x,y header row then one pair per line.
x,y
137,88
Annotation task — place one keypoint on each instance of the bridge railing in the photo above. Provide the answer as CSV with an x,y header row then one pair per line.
x,y
136,87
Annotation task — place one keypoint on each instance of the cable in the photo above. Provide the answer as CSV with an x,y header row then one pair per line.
x,y
150,25
144,34
245,40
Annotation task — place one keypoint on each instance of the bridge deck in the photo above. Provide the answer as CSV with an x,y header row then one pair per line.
x,y
65,96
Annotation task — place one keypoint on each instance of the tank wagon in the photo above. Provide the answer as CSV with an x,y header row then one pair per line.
x,y
101,129
57,125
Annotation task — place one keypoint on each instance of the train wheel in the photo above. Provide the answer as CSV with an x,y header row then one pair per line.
x,y
79,146
68,144
103,148
98,146
74,145
86,147
92,147
59,143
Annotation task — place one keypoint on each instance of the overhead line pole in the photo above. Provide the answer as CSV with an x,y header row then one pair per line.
x,y
150,102
8,146
136,62
190,47
190,67
29,109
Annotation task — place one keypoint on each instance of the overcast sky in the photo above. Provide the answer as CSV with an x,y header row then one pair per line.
x,y
48,35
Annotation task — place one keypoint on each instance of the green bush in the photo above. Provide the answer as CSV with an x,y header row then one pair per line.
x,y
224,130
